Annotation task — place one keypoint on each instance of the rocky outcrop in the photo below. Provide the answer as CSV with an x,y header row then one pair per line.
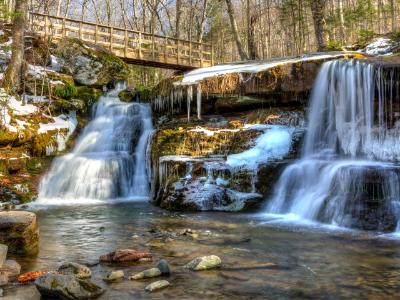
x,y
245,85
67,287
190,164
90,65
19,231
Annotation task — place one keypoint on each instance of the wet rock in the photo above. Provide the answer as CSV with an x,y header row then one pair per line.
x,y
204,263
115,276
19,231
203,196
158,285
150,273
79,271
67,287
163,266
11,268
127,95
1,292
3,254
125,255
90,65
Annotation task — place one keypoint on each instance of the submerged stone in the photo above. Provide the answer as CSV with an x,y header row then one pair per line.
x,y
204,263
125,255
158,285
164,267
115,276
153,272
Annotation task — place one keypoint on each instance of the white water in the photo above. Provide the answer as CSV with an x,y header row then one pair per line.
x,y
346,177
108,162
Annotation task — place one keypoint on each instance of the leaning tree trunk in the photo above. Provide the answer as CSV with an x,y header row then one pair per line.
x,y
317,9
235,32
14,72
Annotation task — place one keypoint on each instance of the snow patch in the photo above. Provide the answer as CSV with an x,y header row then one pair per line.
x,y
274,143
381,46
248,67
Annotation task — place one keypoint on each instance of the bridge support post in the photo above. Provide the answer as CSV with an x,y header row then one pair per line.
x,y
111,38
177,52
126,43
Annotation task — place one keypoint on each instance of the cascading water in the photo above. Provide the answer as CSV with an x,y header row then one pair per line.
x,y
109,159
346,175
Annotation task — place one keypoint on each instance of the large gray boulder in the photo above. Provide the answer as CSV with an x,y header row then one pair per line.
x,y
19,231
90,65
67,287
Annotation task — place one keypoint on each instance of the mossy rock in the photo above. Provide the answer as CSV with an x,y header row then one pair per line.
x,y
87,94
127,95
7,137
144,93
90,65
68,79
41,142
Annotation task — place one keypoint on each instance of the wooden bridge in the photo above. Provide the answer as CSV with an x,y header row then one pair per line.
x,y
134,47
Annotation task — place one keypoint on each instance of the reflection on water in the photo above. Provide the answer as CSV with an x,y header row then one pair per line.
x,y
261,260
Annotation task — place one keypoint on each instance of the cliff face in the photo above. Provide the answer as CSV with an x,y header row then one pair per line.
x,y
244,86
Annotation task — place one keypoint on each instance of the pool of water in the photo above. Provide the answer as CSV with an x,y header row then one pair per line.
x,y
263,257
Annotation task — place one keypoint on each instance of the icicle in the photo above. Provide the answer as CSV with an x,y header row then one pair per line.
x,y
199,101
188,100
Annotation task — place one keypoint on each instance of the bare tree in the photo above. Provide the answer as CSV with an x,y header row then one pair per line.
x,y
14,73
317,9
242,53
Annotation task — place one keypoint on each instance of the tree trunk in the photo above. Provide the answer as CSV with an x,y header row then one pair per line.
x,y
393,14
178,19
341,18
203,20
317,9
242,53
14,72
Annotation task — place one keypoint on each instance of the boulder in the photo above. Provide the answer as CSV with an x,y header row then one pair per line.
x,y
67,287
150,273
79,271
158,285
125,255
11,268
127,95
164,267
115,276
204,263
19,231
90,65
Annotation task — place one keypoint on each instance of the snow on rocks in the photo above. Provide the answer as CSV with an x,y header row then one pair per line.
x,y
274,143
380,46
197,75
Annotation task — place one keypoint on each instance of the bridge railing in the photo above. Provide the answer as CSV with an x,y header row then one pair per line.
x,y
126,43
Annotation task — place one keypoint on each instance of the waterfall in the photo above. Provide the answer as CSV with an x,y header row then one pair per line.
x,y
109,159
347,175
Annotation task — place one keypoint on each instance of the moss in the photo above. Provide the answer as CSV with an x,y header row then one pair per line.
x,y
41,142
33,165
67,79
88,94
144,93
66,91
7,137
127,95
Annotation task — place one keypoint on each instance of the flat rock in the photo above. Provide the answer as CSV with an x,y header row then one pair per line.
x,y
79,271
164,267
115,276
125,255
150,273
11,268
158,285
204,263
3,254
67,287
19,231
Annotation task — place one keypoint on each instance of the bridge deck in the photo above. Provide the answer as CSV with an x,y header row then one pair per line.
x,y
134,47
